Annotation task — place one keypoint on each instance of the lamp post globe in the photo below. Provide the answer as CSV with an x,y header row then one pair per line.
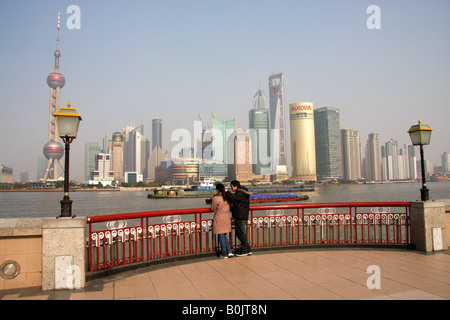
x,y
67,122
420,135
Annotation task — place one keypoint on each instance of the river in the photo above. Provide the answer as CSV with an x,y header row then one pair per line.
x,y
47,204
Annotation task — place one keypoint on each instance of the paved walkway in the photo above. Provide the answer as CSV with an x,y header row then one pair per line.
x,y
274,275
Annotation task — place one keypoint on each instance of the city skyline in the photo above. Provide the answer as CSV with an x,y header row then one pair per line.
x,y
129,63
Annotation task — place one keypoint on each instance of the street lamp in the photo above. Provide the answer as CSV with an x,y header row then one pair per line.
x,y
67,122
420,135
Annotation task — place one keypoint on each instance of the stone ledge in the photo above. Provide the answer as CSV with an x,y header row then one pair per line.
x,y
14,227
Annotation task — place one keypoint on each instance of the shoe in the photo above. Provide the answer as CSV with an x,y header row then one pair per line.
x,y
249,253
223,257
242,254
230,255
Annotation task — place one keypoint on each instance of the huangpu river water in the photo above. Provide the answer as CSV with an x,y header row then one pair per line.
x,y
47,204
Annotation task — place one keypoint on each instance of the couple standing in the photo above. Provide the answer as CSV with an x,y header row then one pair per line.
x,y
239,202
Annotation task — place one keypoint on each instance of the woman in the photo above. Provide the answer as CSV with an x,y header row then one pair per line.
x,y
222,219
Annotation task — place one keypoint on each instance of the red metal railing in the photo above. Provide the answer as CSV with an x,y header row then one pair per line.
x,y
150,236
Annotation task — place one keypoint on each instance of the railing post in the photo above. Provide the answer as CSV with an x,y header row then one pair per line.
x,y
428,226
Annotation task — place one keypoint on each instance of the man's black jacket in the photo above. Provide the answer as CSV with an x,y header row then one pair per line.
x,y
240,203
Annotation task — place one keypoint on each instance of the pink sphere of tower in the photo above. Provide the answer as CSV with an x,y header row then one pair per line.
x,y
55,80
53,150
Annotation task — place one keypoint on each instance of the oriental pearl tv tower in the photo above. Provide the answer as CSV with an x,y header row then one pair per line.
x,y
53,150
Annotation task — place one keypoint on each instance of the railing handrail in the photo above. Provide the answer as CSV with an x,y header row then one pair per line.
x,y
159,213
145,214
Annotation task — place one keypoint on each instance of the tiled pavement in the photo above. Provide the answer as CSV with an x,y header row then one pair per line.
x,y
321,274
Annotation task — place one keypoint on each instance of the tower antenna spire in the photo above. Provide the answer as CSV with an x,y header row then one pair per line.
x,y
57,52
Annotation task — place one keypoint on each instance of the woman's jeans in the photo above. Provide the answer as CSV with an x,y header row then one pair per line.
x,y
241,234
224,244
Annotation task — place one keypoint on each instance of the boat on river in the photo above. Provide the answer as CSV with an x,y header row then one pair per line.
x,y
264,197
282,190
201,189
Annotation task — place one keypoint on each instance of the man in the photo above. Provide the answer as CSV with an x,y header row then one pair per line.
x,y
240,208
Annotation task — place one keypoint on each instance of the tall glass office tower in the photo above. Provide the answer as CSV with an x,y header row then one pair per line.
x,y
91,149
328,143
276,97
259,125
220,132
156,133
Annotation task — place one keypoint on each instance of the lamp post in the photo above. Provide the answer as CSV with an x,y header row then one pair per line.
x,y
67,122
420,135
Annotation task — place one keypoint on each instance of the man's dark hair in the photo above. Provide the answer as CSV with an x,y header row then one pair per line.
x,y
235,183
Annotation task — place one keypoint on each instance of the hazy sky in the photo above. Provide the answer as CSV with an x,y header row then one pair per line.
x,y
132,61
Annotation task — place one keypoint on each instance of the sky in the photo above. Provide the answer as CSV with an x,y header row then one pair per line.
x,y
128,62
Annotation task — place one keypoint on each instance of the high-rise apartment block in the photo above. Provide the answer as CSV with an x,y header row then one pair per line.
x,y
328,143
391,153
398,163
373,157
350,154
412,162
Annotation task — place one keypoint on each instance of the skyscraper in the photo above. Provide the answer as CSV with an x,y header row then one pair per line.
x,y
53,150
221,130
276,97
328,143
350,154
156,133
303,146
412,162
445,162
116,151
156,154
239,156
373,157
136,151
259,125
102,173
392,152
91,150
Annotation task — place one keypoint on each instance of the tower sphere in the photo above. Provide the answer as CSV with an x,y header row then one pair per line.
x,y
56,79
53,150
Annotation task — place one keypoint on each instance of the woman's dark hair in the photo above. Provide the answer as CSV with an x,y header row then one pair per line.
x,y
221,188
235,183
